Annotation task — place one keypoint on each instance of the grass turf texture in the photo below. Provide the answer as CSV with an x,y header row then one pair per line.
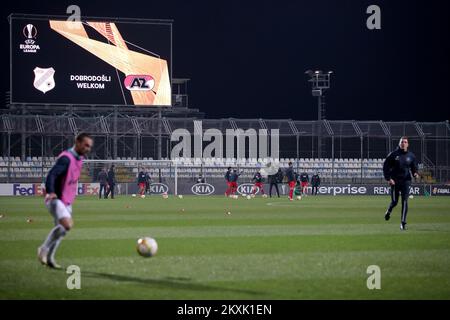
x,y
316,248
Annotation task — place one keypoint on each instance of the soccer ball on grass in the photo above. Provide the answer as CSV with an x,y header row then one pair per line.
x,y
147,247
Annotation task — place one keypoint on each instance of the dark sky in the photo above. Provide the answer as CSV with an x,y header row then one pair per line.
x,y
248,58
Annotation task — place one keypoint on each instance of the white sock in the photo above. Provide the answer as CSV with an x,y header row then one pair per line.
x,y
56,233
53,248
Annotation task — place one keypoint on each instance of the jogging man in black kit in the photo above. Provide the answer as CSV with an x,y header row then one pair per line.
x,y
396,169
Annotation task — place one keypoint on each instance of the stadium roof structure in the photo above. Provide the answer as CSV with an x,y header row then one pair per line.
x,y
141,122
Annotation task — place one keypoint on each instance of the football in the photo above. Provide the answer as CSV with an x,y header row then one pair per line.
x,y
143,196
147,247
249,197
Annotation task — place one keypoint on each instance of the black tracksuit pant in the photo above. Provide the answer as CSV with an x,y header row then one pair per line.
x,y
400,187
315,189
102,190
110,191
274,184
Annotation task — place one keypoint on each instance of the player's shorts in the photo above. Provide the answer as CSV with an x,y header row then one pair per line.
x,y
304,184
59,210
292,184
259,184
141,185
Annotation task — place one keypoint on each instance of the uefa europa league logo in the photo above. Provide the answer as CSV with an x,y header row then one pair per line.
x,y
30,32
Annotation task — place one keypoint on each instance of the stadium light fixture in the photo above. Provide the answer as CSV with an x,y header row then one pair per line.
x,y
310,73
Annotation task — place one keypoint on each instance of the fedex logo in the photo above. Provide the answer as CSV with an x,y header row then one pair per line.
x,y
36,189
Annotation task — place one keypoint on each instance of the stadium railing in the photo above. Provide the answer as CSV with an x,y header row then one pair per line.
x,y
337,171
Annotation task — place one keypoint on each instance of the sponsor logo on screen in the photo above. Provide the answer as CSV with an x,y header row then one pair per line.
x,y
30,46
343,190
246,189
158,188
139,82
203,189
386,190
43,79
441,191
36,189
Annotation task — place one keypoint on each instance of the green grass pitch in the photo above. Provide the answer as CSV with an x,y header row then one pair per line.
x,y
316,248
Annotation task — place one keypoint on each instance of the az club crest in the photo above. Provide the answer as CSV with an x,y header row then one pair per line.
x,y
43,79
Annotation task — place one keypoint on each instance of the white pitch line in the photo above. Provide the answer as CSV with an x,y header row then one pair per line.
x,y
282,204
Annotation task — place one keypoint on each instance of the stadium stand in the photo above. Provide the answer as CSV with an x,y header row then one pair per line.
x,y
34,169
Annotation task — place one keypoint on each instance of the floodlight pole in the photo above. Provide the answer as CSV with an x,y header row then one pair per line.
x,y
319,127
320,83
115,129
23,137
159,139
319,108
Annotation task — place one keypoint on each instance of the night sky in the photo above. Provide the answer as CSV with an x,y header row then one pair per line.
x,y
247,58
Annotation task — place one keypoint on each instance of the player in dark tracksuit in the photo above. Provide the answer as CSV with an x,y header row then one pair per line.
x,y
315,183
111,182
397,169
274,180
148,181
103,180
